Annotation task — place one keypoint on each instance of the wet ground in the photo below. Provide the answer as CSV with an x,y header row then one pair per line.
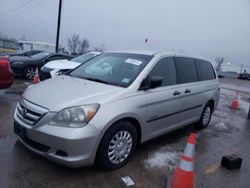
x,y
153,162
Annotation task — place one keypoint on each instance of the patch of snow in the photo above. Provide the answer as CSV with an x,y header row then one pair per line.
x,y
221,126
164,157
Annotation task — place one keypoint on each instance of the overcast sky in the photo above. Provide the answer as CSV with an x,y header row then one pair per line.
x,y
207,28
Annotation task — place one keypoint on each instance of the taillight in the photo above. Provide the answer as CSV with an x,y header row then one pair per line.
x,y
4,63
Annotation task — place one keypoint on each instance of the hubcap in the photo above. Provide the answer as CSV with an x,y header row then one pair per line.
x,y
120,147
206,116
30,73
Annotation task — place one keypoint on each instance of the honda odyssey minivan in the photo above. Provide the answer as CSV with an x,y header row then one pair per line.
x,y
99,112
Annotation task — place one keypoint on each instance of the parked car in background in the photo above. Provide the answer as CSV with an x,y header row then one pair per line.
x,y
6,74
25,53
227,74
58,67
25,66
100,111
244,76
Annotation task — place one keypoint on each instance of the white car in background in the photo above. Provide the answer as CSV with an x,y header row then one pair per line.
x,y
58,67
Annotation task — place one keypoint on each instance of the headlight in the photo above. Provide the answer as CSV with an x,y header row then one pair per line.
x,y
75,116
46,69
18,63
42,68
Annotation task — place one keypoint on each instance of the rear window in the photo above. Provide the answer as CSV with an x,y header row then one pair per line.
x,y
205,69
186,70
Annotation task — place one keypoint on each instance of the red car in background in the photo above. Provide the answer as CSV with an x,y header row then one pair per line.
x,y
6,73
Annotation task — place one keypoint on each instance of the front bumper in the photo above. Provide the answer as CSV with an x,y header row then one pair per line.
x,y
73,147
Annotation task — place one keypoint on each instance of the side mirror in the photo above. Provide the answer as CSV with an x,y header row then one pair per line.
x,y
155,81
151,83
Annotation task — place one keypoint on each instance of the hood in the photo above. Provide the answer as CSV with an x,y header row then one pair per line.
x,y
65,91
19,58
62,64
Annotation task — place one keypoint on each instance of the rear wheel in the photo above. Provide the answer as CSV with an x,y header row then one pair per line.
x,y
29,72
117,145
205,116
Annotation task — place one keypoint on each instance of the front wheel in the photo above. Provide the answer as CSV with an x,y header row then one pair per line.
x,y
117,145
205,116
29,72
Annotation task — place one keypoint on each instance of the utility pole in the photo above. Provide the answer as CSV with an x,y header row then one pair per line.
x,y
241,68
58,25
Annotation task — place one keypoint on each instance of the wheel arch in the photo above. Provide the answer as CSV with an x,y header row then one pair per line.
x,y
211,101
131,119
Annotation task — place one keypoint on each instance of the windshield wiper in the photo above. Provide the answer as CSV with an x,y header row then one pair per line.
x,y
96,80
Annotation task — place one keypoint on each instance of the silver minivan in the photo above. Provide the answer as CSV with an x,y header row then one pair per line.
x,y
100,111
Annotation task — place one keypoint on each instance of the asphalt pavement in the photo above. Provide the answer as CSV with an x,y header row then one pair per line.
x,y
153,162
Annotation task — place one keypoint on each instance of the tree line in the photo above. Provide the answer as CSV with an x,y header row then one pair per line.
x,y
76,45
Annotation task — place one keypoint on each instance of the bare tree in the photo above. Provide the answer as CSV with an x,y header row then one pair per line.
x,y
219,61
73,43
84,46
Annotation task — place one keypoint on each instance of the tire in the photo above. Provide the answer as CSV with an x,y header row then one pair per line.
x,y
205,116
114,150
29,72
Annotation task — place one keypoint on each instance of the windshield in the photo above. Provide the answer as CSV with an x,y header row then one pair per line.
x,y
83,58
118,69
40,55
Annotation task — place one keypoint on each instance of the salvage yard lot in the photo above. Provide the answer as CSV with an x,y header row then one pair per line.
x,y
153,162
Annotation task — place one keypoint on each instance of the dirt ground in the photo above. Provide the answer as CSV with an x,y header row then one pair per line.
x,y
153,162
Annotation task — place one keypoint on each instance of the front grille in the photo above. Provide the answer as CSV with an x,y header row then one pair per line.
x,y
21,132
36,145
26,115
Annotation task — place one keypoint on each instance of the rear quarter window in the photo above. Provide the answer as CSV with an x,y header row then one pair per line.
x,y
205,70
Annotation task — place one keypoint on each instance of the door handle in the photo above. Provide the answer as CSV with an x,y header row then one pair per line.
x,y
176,93
187,91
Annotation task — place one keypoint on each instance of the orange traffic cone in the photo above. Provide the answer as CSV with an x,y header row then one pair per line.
x,y
36,78
184,174
235,103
